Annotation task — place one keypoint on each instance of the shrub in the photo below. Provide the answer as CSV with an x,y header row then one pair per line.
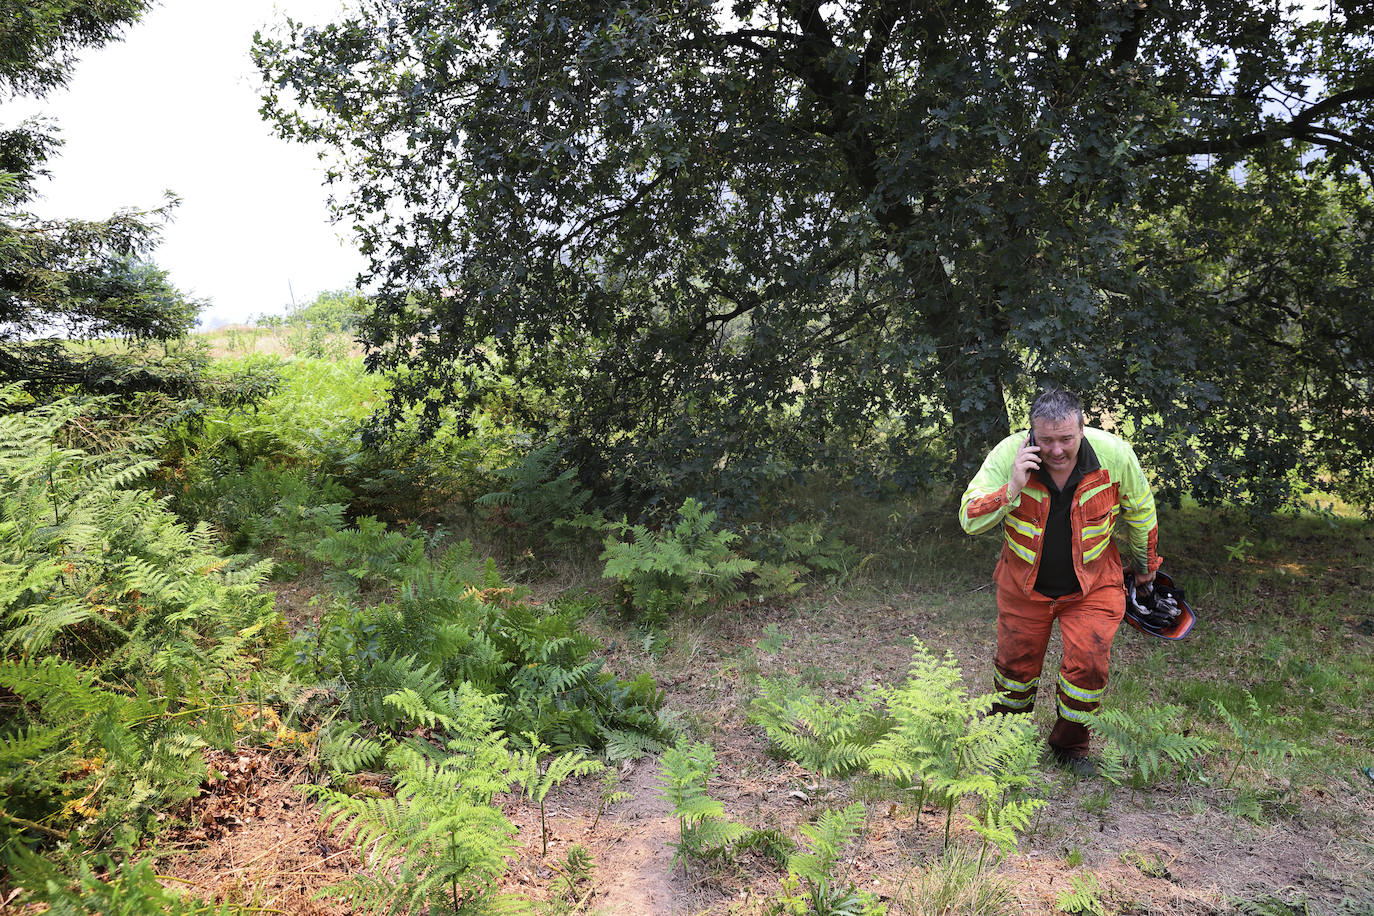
x,y
132,642
682,568
453,620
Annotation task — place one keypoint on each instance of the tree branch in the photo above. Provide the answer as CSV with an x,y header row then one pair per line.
x,y
1300,127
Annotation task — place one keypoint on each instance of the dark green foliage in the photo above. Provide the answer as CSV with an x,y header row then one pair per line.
x,y
684,567
537,506
770,842
76,278
261,504
720,245
815,546
42,38
452,620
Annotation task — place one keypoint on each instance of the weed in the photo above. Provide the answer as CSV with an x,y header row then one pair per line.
x,y
574,871
773,639
1084,895
1271,905
770,842
610,794
955,883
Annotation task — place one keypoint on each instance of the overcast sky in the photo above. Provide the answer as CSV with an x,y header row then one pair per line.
x,y
174,107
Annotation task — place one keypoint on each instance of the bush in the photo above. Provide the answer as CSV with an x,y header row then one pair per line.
x,y
682,568
132,642
453,620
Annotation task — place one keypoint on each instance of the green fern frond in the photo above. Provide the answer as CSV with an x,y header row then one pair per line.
x,y
1148,741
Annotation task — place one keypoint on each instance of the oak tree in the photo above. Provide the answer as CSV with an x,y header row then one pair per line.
x,y
717,242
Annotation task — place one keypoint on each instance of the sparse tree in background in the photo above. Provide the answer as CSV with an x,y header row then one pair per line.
x,y
719,242
64,279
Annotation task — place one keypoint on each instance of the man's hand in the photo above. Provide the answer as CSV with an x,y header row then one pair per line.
x,y
1027,460
1144,579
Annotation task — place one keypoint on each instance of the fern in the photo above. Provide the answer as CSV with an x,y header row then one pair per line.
x,y
1083,896
1256,739
537,505
455,621
539,773
1143,745
98,885
813,868
945,746
685,567
129,636
703,829
829,739
439,841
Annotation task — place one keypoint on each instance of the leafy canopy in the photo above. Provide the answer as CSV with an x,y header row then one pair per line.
x,y
721,242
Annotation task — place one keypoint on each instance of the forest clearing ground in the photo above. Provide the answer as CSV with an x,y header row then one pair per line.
x,y
1308,838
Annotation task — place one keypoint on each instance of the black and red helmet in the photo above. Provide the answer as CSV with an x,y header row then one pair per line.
x,y
1159,611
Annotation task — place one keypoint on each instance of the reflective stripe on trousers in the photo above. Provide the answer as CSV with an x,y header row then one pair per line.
x,y
1087,624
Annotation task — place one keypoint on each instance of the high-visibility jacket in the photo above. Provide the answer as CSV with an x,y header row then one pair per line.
x,y
1113,488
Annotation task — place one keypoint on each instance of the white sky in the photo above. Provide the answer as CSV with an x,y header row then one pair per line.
x,y
174,107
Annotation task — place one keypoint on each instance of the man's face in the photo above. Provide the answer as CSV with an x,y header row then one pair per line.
x,y
1058,441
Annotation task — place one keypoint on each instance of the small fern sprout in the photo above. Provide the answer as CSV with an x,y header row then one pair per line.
x,y
610,794
1084,896
538,772
813,867
1256,738
702,826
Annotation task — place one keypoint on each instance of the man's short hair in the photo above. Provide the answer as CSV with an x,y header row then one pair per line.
x,y
1054,404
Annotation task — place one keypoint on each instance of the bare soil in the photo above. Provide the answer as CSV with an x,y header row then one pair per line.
x,y
253,838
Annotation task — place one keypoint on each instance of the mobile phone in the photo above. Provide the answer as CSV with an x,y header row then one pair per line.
x,y
1031,439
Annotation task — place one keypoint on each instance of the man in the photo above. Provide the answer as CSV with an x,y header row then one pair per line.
x,y
1058,494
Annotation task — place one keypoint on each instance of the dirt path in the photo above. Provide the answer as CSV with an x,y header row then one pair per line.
x,y
634,867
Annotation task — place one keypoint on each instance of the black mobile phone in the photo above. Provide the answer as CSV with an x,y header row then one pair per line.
x,y
1031,440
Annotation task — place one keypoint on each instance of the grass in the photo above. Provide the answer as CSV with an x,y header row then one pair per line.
x,y
1286,615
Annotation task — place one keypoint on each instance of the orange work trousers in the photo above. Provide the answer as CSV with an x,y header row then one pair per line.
x,y
1087,624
